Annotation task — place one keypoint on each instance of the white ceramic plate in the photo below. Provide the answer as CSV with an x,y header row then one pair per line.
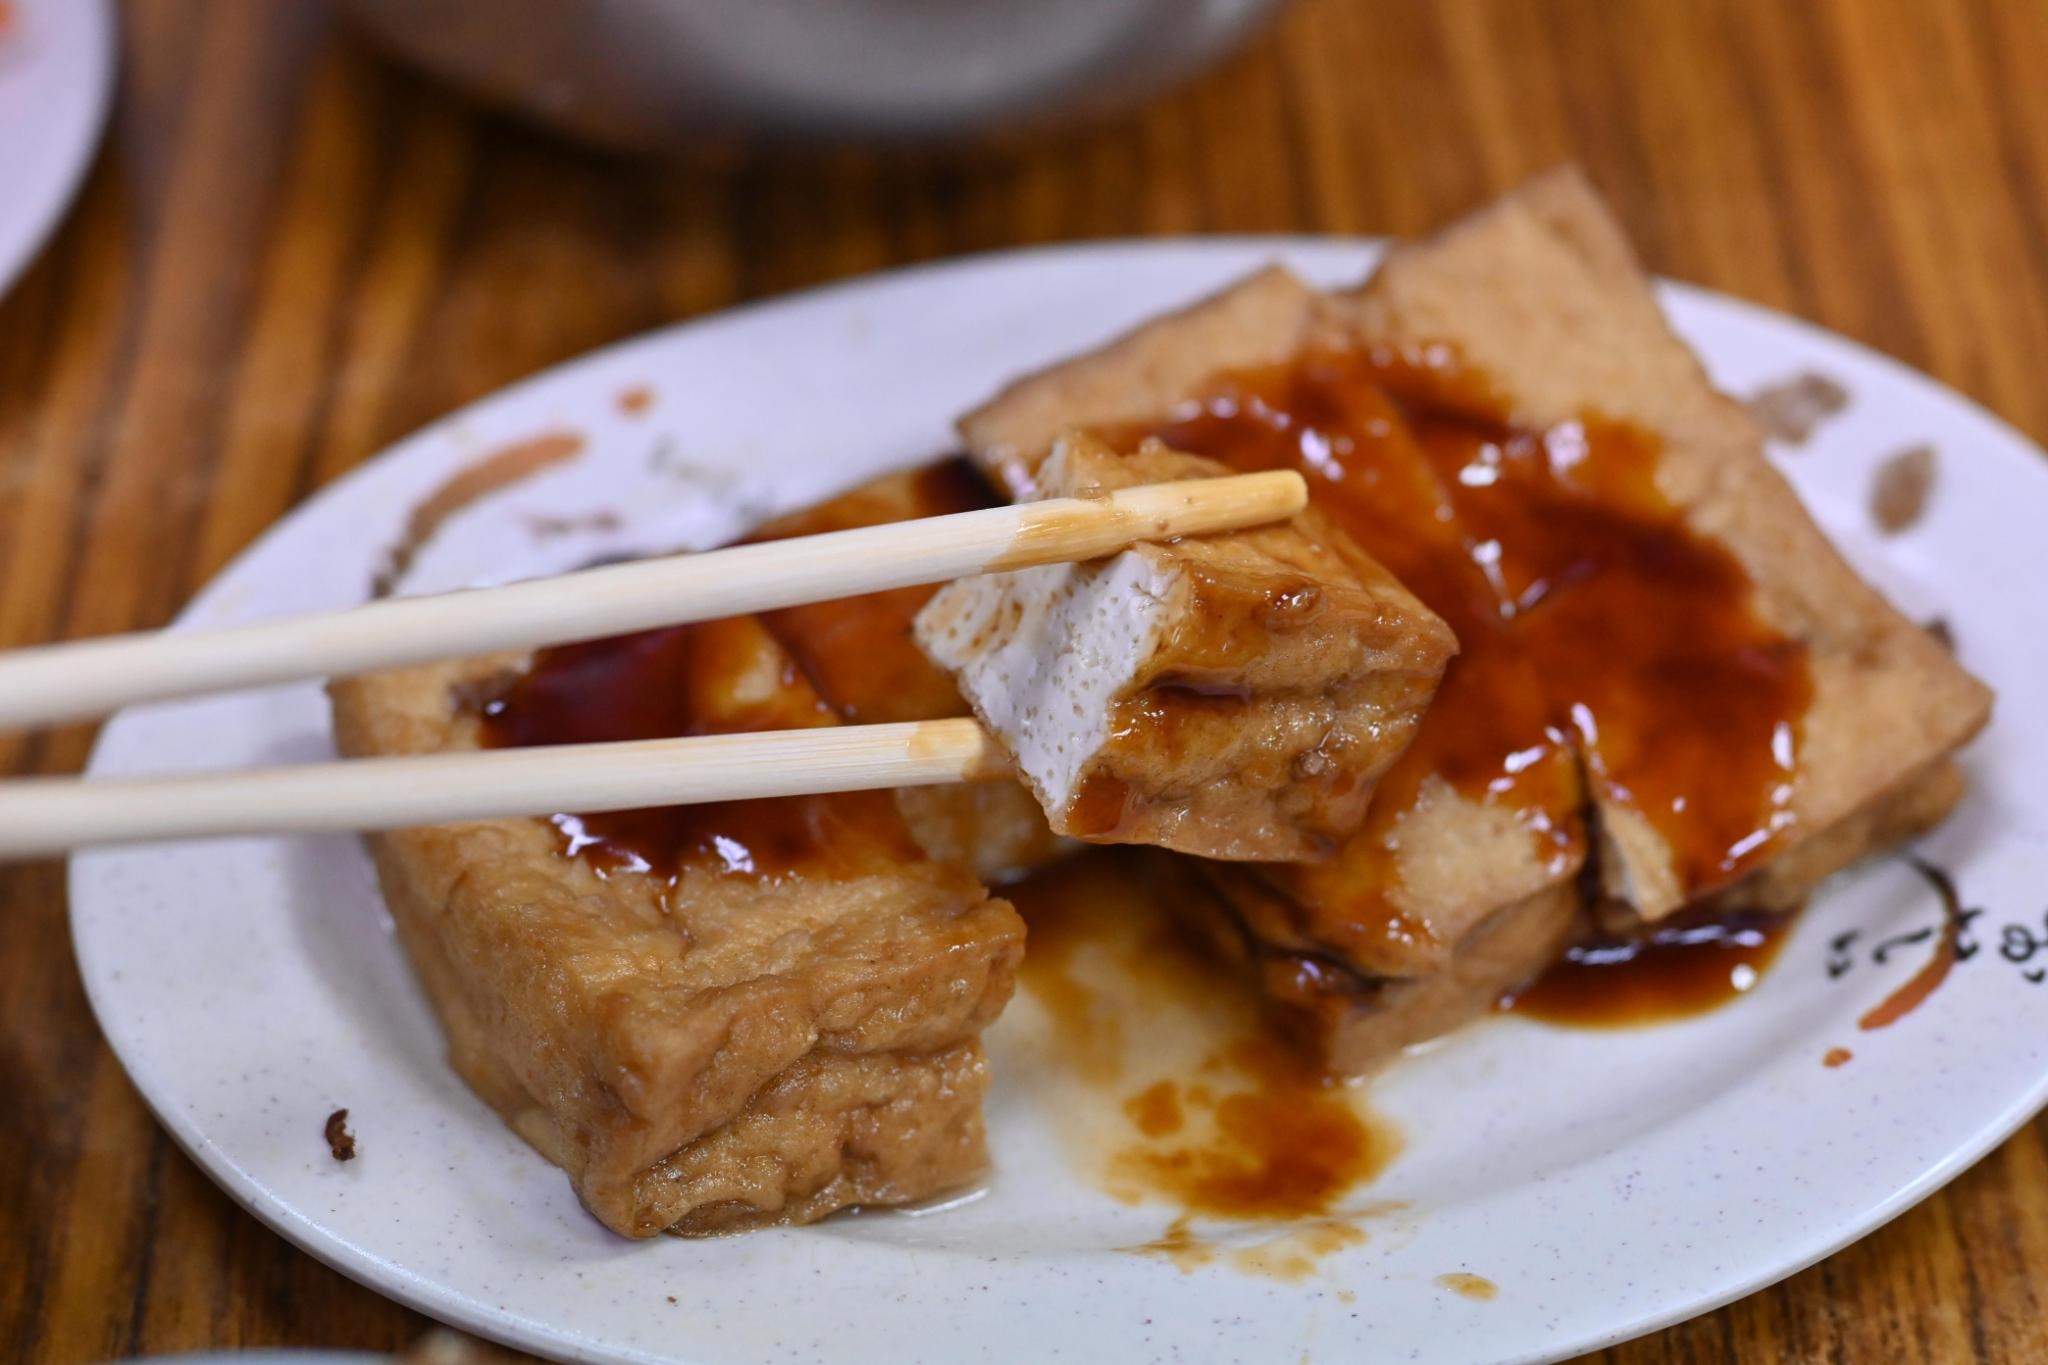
x,y
56,73
1607,1183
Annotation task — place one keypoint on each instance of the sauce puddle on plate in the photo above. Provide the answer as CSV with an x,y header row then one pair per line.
x,y
1190,1101
1678,973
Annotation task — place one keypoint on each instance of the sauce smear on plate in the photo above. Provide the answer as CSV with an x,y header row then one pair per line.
x,y
1217,1117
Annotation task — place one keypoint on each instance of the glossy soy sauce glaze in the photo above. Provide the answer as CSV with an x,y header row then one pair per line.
x,y
1598,632
1162,719
859,652
852,659
1675,973
716,677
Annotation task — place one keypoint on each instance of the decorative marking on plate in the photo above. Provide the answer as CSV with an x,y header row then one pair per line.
x,y
495,472
1791,410
1900,489
1955,942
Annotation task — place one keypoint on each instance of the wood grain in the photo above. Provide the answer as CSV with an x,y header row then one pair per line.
x,y
290,252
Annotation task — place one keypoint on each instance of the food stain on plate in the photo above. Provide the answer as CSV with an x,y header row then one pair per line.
x,y
478,479
1171,1089
1291,1255
1468,1285
547,527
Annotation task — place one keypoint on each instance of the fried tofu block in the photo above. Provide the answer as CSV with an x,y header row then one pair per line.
x,y
1542,294
1234,696
860,655
712,1018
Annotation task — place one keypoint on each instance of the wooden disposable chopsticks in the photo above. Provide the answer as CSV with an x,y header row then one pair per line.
x,y
44,815
85,678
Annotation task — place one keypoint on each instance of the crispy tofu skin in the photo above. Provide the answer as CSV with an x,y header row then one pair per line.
x,y
1232,696
1663,665
701,1047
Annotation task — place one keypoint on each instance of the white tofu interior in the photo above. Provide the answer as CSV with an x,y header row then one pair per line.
x,y
1043,655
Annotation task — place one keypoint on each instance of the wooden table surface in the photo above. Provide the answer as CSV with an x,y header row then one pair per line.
x,y
291,252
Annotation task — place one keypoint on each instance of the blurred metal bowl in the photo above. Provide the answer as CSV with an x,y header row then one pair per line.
x,y
669,73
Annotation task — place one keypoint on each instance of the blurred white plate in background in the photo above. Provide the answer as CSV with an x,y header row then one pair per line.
x,y
56,78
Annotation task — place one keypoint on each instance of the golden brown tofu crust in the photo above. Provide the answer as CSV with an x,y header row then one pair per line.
x,y
728,1053
1352,1023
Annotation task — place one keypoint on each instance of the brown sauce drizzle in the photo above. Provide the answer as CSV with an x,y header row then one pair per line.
x,y
1592,620
706,679
1288,1144
1675,973
691,680
859,651
1100,808
1836,1056
1291,1256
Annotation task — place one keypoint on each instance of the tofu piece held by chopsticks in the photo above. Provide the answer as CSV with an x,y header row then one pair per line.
x,y
1233,696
